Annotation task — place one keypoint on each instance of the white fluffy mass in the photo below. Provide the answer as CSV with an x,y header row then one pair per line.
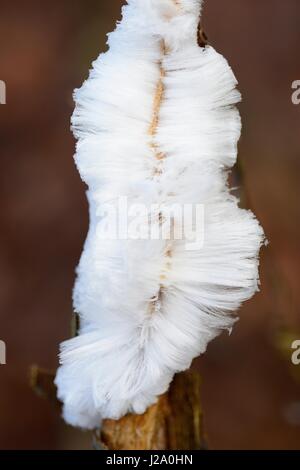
x,y
156,122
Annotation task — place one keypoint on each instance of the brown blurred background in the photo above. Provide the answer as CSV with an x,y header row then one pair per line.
x,y
251,390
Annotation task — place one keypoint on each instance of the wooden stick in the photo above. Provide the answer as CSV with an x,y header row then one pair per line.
x,y
173,423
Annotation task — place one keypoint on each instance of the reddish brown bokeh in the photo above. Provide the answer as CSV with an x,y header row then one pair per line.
x,y
250,390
